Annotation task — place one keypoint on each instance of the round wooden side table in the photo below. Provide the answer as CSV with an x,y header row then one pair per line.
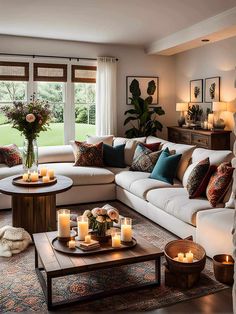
x,y
34,208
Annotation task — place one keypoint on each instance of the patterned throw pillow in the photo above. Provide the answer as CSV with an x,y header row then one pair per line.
x,y
219,183
11,155
197,176
88,155
144,159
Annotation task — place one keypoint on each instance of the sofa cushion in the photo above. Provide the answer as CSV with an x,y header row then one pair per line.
x,y
60,153
130,146
88,155
186,151
126,178
5,171
165,168
176,202
83,175
216,157
11,155
114,156
144,158
106,139
141,187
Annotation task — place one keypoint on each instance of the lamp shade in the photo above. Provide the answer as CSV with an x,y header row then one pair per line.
x,y
219,106
181,106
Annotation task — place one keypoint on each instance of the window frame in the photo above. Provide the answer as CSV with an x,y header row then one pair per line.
x,y
41,78
24,65
82,79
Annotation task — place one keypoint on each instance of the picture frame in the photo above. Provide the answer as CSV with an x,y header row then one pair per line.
x,y
143,84
212,89
196,91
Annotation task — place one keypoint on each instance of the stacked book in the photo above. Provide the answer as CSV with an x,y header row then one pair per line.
x,y
88,246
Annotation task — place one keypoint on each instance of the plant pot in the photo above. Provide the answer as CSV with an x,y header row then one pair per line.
x,y
30,155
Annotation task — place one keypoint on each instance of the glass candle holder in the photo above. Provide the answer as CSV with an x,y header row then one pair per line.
x,y
126,229
63,223
115,240
82,224
224,268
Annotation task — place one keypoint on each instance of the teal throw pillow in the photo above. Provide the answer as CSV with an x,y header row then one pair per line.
x,y
166,166
114,156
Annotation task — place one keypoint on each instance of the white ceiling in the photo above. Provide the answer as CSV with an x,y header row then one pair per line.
x,y
136,22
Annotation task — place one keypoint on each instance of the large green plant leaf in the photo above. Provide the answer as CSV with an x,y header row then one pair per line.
x,y
133,132
151,87
158,125
127,120
134,89
131,111
159,111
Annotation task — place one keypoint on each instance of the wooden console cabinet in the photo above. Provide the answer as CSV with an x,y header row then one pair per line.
x,y
201,138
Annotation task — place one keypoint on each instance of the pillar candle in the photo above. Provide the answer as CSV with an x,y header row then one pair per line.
x,y
180,257
82,223
63,223
25,177
87,238
51,173
43,172
34,176
71,244
115,241
45,179
189,256
126,229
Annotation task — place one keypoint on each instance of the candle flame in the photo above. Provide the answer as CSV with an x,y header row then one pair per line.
x,y
227,258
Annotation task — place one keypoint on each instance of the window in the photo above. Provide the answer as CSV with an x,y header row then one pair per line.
x,y
13,87
84,87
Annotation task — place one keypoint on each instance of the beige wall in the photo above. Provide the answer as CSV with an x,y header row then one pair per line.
x,y
132,61
217,59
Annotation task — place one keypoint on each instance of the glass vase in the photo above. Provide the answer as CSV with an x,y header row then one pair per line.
x,y
30,155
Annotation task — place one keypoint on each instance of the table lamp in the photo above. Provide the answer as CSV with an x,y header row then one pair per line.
x,y
181,107
218,106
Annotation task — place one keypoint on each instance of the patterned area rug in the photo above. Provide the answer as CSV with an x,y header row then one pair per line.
x,y
20,290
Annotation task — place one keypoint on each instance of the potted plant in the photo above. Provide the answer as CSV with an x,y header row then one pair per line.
x,y
142,118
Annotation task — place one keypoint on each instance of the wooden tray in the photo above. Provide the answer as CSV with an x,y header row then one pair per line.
x,y
104,247
19,182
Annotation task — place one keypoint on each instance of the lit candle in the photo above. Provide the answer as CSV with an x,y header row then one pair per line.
x,y
115,240
205,124
71,244
26,177
227,260
126,229
87,238
63,223
189,256
45,179
51,173
180,257
34,176
82,223
185,260
43,171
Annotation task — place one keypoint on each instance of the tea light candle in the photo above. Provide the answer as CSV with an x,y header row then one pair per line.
x,y
126,229
87,238
115,240
71,244
63,222
51,173
82,223
180,257
45,179
34,176
189,256
43,172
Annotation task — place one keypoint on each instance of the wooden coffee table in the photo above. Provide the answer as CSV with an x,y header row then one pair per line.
x,y
34,208
56,264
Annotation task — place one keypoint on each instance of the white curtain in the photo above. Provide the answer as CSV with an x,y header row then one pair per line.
x,y
106,111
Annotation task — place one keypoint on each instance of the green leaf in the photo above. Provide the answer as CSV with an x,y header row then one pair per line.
x,y
133,132
151,87
159,111
158,125
149,100
127,120
131,111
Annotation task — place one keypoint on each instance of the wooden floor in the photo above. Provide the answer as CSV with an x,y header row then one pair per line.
x,y
220,302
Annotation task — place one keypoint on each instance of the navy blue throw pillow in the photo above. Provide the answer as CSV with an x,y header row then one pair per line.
x,y
114,156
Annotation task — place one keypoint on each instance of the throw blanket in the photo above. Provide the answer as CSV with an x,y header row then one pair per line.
x,y
13,240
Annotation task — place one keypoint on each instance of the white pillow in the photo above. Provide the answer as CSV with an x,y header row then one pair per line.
x,y
106,139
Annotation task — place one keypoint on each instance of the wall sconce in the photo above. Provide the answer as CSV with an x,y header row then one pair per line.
x,y
181,107
219,106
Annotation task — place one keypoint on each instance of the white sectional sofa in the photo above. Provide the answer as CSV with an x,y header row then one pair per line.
x,y
165,204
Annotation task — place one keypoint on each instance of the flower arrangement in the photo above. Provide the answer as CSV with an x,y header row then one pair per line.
x,y
30,119
101,219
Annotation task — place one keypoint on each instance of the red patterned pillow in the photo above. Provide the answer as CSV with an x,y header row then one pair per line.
x,y
11,155
201,189
88,155
219,183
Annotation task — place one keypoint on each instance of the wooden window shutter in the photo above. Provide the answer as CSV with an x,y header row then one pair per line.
x,y
49,72
14,71
83,74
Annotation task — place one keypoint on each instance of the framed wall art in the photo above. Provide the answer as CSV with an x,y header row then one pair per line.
x,y
143,85
212,89
196,91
